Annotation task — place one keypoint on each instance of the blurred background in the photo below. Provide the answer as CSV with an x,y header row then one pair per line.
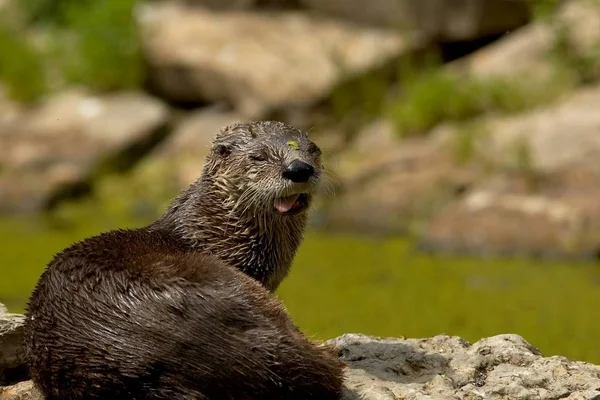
x,y
464,137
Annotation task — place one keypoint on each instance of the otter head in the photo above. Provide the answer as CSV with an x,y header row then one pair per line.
x,y
265,166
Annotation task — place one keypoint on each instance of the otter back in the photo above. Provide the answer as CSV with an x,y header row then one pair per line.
x,y
132,314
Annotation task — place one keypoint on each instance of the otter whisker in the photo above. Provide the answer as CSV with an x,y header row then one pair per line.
x,y
328,185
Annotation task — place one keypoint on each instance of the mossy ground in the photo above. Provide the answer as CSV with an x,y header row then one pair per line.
x,y
381,287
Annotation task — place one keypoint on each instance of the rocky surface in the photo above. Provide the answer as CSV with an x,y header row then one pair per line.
x,y
255,61
20,391
440,367
448,367
60,145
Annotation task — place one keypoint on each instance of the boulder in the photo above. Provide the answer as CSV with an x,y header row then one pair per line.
x,y
440,20
54,149
255,61
558,218
525,52
12,368
386,185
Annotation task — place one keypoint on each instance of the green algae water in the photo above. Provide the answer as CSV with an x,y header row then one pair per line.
x,y
376,286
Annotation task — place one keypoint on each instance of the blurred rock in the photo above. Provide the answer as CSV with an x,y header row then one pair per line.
x,y
189,144
255,61
244,4
12,368
439,20
561,135
447,367
550,138
541,197
56,148
387,184
506,217
525,53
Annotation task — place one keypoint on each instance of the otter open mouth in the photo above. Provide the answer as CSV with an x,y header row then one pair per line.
x,y
291,205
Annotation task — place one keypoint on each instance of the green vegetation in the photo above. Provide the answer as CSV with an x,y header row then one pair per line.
x,y
21,69
92,43
98,45
354,284
435,96
50,11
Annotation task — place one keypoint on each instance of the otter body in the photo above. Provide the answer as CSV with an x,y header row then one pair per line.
x,y
182,308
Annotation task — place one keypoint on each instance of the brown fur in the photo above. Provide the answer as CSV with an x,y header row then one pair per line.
x,y
182,309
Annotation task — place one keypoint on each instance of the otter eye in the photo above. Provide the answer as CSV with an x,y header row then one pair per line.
x,y
257,157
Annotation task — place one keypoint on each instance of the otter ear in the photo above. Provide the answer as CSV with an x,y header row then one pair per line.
x,y
222,149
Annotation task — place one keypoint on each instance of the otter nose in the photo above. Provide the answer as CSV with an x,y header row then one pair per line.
x,y
298,171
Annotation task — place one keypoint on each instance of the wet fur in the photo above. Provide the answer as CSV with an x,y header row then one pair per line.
x,y
182,309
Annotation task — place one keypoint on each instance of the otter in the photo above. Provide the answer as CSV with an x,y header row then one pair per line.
x,y
183,308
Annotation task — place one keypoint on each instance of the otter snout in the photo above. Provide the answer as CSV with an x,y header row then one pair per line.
x,y
299,171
